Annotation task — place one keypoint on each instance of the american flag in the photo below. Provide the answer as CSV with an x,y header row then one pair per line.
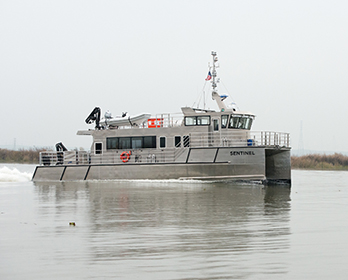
x,y
208,77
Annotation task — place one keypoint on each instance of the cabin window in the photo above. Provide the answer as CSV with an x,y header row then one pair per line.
x,y
199,120
245,123
216,125
124,143
112,143
150,142
234,120
240,122
204,120
131,142
137,142
177,141
98,148
190,121
186,141
162,142
224,120
249,123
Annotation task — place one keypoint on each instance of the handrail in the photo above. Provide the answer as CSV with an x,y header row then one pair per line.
x,y
159,121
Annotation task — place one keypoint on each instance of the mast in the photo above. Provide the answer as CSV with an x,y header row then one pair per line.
x,y
214,81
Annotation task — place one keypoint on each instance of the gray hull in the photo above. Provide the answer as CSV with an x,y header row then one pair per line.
x,y
254,163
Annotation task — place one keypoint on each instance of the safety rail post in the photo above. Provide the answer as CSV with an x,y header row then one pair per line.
x,y
288,140
280,140
272,137
284,139
280,136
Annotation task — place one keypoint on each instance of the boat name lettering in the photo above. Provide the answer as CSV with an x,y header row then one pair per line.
x,y
242,153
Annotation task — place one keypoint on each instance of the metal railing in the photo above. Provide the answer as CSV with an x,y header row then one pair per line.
x,y
229,138
270,138
159,120
235,138
67,157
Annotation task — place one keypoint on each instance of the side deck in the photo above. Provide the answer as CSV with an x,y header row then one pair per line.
x,y
182,153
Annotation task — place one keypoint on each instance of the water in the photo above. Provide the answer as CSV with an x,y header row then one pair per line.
x,y
173,229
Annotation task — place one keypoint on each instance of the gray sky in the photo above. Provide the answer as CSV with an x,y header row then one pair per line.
x,y
285,61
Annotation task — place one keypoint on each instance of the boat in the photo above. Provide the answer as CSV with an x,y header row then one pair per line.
x,y
196,144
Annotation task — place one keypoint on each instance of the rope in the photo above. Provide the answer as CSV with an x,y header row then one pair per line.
x,y
200,96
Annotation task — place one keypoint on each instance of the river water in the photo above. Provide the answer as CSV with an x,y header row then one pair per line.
x,y
173,229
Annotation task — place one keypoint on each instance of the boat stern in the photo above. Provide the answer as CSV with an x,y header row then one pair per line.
x,y
278,165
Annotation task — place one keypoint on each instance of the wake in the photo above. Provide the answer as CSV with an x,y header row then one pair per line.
x,y
13,175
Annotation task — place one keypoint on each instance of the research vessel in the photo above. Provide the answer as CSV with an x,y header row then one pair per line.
x,y
197,144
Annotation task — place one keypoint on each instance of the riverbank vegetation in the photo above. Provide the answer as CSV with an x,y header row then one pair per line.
x,y
21,156
320,162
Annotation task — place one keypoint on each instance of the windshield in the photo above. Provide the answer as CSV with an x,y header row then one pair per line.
x,y
240,122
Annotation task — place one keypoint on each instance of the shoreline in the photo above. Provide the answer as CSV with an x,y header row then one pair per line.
x,y
335,161
320,162
28,156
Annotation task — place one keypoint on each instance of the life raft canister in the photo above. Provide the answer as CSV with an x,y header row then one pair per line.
x,y
125,156
154,122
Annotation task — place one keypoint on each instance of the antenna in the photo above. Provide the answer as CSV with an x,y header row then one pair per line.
x,y
300,142
214,82
214,73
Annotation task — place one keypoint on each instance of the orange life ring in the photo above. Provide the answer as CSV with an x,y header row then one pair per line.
x,y
125,156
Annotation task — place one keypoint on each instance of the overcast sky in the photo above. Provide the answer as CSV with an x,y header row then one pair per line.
x,y
285,61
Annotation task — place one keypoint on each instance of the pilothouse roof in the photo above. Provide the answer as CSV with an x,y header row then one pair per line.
x,y
197,111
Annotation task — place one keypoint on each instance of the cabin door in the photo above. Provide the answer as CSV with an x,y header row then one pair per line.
x,y
216,125
215,134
